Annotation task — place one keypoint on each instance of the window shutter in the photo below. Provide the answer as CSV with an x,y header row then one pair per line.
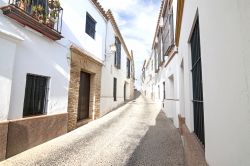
x,y
35,99
90,26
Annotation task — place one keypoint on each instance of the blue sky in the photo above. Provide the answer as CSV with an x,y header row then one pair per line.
x,y
137,22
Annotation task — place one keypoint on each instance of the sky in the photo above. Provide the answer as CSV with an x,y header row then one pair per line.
x,y
137,21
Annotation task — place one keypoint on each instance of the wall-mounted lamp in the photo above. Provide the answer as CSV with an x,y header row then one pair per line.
x,y
161,22
156,40
112,48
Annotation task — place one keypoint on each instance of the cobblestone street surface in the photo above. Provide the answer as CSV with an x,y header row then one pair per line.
x,y
137,133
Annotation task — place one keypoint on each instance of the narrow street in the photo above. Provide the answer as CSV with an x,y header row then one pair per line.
x,y
135,134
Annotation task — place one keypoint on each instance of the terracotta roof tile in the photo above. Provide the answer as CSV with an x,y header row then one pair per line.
x,y
100,8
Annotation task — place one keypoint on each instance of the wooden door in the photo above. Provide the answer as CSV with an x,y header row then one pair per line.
x,y
124,91
84,93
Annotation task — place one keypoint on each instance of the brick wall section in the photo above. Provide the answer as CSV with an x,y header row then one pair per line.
x,y
194,153
26,133
3,139
81,61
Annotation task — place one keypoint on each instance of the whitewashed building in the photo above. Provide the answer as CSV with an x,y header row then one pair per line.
x,y
34,74
85,25
148,78
51,69
118,70
206,78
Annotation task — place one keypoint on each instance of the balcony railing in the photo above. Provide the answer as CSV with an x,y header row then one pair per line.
x,y
168,34
45,16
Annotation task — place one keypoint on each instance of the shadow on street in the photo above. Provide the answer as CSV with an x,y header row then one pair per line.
x,y
160,146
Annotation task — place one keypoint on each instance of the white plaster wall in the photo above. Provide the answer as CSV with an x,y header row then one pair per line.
x,y
171,103
7,56
225,60
109,71
73,28
224,32
37,55
184,53
3,2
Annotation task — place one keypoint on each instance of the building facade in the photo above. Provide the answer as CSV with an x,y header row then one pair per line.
x,y
35,78
118,70
86,38
51,69
204,78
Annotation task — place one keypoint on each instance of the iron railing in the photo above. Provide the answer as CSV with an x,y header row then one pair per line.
x,y
168,32
47,12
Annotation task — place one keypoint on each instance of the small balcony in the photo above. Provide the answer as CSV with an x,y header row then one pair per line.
x,y
44,16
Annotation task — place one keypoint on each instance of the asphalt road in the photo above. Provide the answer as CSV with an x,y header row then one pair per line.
x,y
135,134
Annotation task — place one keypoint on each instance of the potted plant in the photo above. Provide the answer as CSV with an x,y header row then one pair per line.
x,y
34,11
37,12
51,4
51,19
57,4
54,4
22,4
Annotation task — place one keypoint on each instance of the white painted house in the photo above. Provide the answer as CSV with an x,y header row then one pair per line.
x,y
85,28
206,78
148,79
51,68
117,73
34,74
105,77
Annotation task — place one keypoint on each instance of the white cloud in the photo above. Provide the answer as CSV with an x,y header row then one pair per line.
x,y
137,22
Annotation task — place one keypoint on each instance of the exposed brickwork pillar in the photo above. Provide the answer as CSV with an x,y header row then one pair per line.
x,y
81,61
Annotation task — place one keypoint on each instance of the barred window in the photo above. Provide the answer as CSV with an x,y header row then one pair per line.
x,y
118,53
90,26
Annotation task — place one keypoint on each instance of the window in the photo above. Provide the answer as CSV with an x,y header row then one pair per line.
x,y
36,92
171,24
164,91
118,53
128,68
115,89
90,26
168,32
159,93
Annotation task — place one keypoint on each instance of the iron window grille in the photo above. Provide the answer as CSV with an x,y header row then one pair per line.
x,y
90,26
117,59
168,32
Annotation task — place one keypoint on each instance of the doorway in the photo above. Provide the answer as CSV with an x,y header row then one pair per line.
x,y
197,84
84,95
124,91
